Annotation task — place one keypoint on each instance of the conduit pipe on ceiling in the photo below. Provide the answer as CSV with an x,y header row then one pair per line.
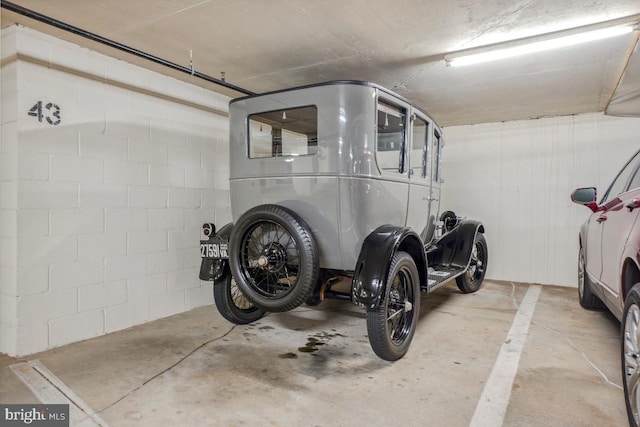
x,y
113,44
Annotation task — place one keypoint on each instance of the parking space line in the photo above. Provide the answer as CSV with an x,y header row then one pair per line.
x,y
49,389
494,400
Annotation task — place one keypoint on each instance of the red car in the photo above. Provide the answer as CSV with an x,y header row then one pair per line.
x,y
609,267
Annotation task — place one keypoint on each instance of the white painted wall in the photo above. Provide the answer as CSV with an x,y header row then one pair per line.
x,y
517,178
100,216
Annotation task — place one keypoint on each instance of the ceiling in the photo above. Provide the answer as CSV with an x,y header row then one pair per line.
x,y
269,45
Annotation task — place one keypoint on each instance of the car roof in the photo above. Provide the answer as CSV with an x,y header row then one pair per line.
x,y
338,82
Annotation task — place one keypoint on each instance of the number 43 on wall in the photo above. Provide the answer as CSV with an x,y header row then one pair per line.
x,y
51,112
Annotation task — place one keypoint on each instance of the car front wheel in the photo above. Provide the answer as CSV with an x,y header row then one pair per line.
x,y
471,280
630,336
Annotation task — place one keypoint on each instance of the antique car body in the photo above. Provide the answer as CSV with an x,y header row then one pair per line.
x,y
340,188
332,183
609,267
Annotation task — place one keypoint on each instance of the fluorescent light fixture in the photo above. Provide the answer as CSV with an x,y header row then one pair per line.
x,y
543,42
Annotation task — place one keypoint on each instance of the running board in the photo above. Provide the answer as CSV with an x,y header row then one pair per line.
x,y
440,276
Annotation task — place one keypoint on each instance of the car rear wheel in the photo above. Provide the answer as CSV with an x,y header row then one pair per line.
x,y
273,258
232,304
392,324
630,336
587,298
471,280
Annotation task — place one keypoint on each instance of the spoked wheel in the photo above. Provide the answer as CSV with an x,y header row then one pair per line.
x,y
587,298
392,324
232,304
273,258
630,336
471,280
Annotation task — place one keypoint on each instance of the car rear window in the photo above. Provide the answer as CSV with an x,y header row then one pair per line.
x,y
284,133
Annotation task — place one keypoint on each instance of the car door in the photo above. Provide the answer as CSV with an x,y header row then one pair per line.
x,y
618,217
418,214
434,159
609,228
392,189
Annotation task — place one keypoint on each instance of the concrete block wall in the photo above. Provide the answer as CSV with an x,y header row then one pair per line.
x,y
517,178
8,200
101,211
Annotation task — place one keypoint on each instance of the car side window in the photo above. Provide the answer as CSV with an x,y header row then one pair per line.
x,y
418,158
619,184
391,134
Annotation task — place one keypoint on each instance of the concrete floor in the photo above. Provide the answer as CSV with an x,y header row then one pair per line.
x,y
313,367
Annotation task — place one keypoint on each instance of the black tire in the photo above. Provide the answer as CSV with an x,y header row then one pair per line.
x,y
587,298
472,279
232,304
273,258
449,220
392,324
630,354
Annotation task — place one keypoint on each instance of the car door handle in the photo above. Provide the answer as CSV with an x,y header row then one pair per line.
x,y
602,218
632,204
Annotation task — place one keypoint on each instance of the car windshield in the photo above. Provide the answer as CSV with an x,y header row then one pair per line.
x,y
619,184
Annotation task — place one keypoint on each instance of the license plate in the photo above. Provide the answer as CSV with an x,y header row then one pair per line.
x,y
214,250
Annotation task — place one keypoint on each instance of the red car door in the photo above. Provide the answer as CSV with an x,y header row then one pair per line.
x,y
617,220
617,216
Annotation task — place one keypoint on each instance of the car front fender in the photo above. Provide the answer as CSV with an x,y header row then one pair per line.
x,y
457,245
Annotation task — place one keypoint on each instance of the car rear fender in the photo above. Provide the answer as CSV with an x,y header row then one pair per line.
x,y
370,275
215,269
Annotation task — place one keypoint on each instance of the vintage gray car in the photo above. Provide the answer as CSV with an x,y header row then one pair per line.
x,y
335,192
